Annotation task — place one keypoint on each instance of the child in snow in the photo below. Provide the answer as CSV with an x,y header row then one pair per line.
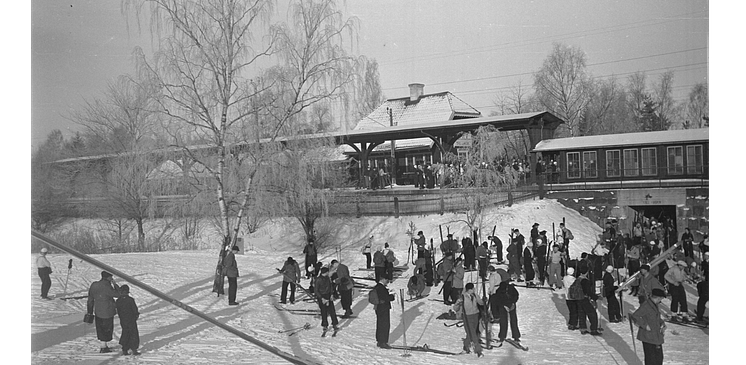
x,y
128,315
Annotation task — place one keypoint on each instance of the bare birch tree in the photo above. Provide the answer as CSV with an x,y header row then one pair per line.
x,y
205,66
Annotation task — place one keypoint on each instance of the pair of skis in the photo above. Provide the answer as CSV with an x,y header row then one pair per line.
x,y
334,332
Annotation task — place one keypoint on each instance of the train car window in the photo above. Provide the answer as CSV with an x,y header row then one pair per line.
x,y
649,162
590,165
573,165
675,160
613,163
694,159
631,163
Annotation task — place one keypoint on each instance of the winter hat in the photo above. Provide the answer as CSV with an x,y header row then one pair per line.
x,y
124,288
652,242
538,241
645,267
609,268
469,286
386,245
105,274
535,224
504,276
44,250
491,268
570,271
658,293
324,270
681,263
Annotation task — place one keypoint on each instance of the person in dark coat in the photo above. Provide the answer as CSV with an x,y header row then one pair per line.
x,y
469,253
311,256
345,284
323,290
101,303
383,315
514,261
230,269
290,277
506,297
687,241
483,257
497,246
535,233
703,291
520,241
615,313
128,315
587,305
651,327
528,264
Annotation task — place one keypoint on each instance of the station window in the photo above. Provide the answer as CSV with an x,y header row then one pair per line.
x,y
590,164
631,163
613,163
573,165
694,159
649,162
675,160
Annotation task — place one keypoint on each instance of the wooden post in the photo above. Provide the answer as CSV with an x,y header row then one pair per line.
x,y
396,207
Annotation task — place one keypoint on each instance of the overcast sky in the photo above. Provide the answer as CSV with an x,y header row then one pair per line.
x,y
475,49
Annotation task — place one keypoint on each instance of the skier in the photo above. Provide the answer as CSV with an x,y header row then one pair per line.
x,y
675,278
382,309
445,274
389,262
471,302
556,257
345,284
506,297
497,245
528,267
572,305
514,263
230,269
291,276
647,282
483,257
323,290
541,259
587,305
101,303
366,251
703,291
311,255
457,280
651,327
566,235
379,263
44,269
519,241
612,304
420,242
128,315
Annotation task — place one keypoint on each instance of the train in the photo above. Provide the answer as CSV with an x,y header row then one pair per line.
x,y
662,156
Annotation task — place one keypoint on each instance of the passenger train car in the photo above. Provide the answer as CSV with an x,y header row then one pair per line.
x,y
627,157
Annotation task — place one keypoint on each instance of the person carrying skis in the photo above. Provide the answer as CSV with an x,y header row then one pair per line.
x,y
101,303
647,282
506,297
612,304
311,255
290,277
128,315
44,269
323,290
470,303
651,327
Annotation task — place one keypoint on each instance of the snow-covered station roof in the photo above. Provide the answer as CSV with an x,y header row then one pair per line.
x,y
624,139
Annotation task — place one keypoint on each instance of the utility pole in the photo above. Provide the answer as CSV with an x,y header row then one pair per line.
x,y
393,148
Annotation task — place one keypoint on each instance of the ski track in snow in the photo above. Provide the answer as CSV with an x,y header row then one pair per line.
x,y
170,335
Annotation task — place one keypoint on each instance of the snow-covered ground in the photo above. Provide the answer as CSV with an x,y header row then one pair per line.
x,y
170,335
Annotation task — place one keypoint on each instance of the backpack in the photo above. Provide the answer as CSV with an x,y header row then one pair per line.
x,y
373,297
575,291
323,286
506,294
378,258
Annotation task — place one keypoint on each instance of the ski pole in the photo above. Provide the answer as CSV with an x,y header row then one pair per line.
x,y
307,325
69,267
403,324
